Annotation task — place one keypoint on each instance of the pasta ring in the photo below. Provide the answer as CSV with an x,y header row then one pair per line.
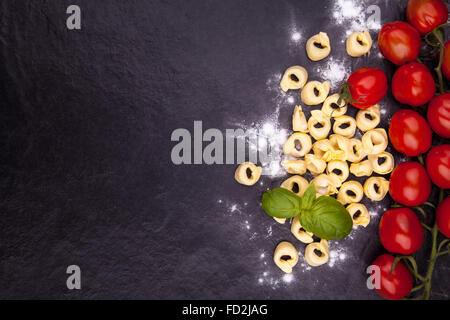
x,y
280,220
247,173
384,168
359,43
321,147
294,166
319,118
285,249
296,184
356,152
311,255
369,118
304,143
326,185
314,164
294,78
361,169
331,111
376,188
341,143
350,186
341,167
308,95
349,130
375,141
316,53
300,233
299,123
362,215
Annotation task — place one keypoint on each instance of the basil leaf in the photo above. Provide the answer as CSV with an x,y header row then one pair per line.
x,y
327,219
309,197
281,203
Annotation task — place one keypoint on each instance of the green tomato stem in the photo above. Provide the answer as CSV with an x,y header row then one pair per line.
x,y
438,69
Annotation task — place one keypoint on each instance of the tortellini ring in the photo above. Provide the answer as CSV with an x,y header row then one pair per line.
x,y
382,163
319,125
344,126
285,256
299,123
317,253
296,184
350,192
298,145
280,220
359,214
339,169
376,188
326,185
318,46
321,147
356,152
361,169
375,141
294,166
368,119
341,143
359,43
331,107
294,78
314,92
314,164
247,173
300,233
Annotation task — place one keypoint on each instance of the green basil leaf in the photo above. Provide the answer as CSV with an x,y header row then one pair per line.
x,y
308,198
281,203
327,219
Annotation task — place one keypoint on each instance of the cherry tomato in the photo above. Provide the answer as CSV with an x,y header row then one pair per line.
x,y
438,165
409,184
439,115
400,231
399,42
446,62
368,86
426,15
410,133
393,286
413,84
443,217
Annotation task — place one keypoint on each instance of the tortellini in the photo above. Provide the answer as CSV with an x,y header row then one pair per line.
x,y
247,173
309,95
376,188
368,119
280,220
318,46
314,164
341,143
319,125
326,185
358,44
356,152
361,169
359,214
382,163
350,192
294,78
375,141
299,123
317,253
298,145
285,256
300,233
294,166
331,107
296,184
339,169
344,126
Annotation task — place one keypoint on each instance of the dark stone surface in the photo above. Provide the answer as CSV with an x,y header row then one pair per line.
x,y
86,174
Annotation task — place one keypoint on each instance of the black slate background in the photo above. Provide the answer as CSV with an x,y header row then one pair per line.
x,y
86,175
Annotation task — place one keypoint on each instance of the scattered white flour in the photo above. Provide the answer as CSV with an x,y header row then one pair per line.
x,y
334,71
337,255
354,15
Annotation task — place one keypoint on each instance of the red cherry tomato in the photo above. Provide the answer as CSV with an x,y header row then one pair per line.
x,y
400,231
399,42
446,62
393,286
439,115
443,217
368,86
409,132
426,15
413,84
409,184
438,165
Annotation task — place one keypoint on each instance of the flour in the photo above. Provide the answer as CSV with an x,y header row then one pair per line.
x,y
334,71
354,15
337,255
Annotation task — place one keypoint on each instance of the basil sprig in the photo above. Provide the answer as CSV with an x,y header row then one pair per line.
x,y
325,217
